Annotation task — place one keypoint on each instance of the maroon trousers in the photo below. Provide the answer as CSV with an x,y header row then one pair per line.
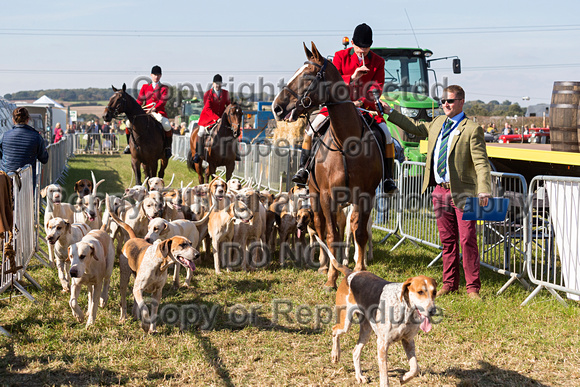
x,y
452,231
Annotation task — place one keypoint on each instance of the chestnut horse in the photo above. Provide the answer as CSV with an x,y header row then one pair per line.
x,y
146,141
223,144
349,166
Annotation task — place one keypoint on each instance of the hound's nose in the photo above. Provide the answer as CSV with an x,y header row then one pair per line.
x,y
74,273
196,255
432,311
148,240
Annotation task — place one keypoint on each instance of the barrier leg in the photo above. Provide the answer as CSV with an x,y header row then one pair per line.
x,y
21,289
32,281
435,260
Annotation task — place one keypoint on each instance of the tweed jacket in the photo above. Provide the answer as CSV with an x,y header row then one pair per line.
x,y
469,169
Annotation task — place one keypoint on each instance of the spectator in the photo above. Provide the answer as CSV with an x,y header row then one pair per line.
x,y
57,133
22,145
460,171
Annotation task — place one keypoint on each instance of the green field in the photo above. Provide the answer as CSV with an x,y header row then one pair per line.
x,y
491,343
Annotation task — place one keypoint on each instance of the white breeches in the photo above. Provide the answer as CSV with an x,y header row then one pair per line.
x,y
164,121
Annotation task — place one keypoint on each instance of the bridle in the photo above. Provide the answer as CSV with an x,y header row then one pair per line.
x,y
233,114
304,100
118,107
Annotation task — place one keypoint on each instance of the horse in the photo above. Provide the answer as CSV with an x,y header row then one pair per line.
x,y
146,141
348,168
222,144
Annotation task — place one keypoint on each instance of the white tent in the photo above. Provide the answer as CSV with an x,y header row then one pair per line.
x,y
44,100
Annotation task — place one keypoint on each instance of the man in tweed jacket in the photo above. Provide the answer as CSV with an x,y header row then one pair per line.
x,y
457,165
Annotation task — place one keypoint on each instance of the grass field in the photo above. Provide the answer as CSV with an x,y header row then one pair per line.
x,y
491,343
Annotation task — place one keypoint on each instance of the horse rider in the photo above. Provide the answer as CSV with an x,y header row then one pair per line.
x,y
215,101
155,95
364,72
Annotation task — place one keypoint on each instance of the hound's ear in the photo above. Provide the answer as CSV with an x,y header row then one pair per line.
x,y
405,291
307,51
165,247
114,89
124,87
43,192
93,251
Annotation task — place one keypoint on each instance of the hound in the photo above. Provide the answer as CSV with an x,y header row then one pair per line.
x,y
158,184
83,187
161,229
55,208
92,262
149,263
394,311
61,234
253,230
87,210
221,227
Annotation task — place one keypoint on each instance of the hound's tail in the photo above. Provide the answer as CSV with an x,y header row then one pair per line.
x,y
337,265
118,220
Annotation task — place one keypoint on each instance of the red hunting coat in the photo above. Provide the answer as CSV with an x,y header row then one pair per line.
x,y
213,107
160,96
347,62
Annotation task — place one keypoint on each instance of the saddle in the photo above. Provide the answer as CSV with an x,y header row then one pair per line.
x,y
368,123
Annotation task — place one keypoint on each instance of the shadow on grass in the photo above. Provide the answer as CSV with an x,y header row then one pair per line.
x,y
213,358
15,370
489,375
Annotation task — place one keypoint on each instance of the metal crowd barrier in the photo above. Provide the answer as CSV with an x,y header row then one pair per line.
x,y
502,245
180,148
23,231
553,255
417,221
58,154
96,143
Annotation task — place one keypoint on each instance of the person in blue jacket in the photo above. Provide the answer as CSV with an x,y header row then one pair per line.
x,y
22,145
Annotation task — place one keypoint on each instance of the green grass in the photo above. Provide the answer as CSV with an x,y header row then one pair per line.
x,y
492,343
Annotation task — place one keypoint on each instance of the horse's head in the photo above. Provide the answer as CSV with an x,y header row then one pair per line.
x,y
306,90
117,104
234,115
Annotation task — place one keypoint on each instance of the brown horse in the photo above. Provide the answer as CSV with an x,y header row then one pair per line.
x,y
223,142
146,141
349,166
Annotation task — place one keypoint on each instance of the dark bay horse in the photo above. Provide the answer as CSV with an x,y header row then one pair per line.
x,y
146,141
223,144
349,166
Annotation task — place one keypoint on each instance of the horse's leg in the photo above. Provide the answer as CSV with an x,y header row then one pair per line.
x,y
360,219
136,165
230,170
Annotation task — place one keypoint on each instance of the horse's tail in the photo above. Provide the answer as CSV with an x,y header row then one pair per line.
x,y
190,164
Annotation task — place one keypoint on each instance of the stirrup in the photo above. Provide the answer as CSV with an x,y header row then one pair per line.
x,y
389,187
301,177
196,158
127,150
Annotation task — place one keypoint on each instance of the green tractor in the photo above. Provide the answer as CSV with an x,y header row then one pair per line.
x,y
407,90
190,111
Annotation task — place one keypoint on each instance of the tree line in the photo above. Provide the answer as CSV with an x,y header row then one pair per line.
x,y
493,108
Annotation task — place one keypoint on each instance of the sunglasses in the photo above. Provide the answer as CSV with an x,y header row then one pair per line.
x,y
450,101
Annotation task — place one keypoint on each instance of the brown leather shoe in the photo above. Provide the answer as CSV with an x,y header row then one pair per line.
x,y
443,291
474,296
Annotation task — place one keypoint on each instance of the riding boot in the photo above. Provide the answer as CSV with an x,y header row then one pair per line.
x,y
127,148
301,176
389,186
198,149
167,140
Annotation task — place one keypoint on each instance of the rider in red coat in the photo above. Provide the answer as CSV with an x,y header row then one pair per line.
x,y
215,101
154,96
364,72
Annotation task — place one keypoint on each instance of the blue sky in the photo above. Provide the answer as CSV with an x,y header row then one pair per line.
x,y
508,49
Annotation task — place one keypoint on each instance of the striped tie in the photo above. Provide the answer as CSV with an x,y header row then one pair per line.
x,y
442,160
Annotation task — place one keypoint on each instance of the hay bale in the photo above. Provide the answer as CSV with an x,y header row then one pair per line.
x,y
293,132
